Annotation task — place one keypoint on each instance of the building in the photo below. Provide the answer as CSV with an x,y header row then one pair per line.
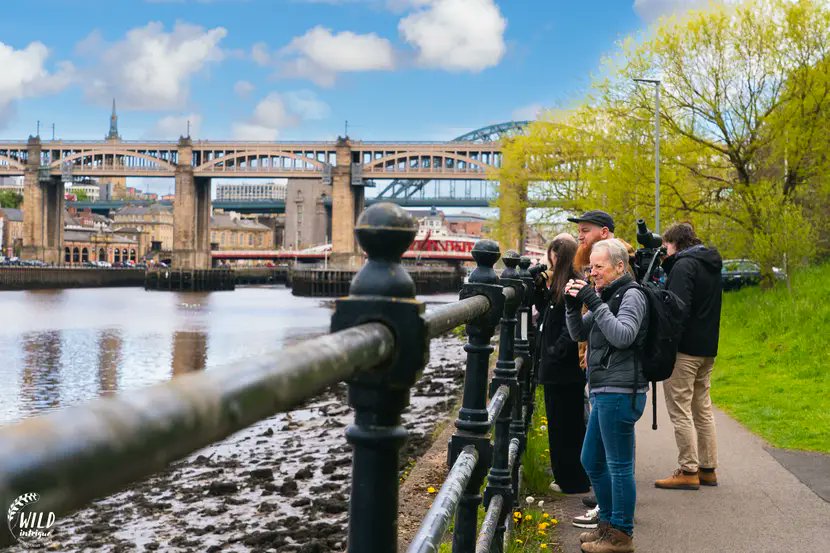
x,y
307,221
87,236
250,192
11,231
88,189
469,224
152,223
229,231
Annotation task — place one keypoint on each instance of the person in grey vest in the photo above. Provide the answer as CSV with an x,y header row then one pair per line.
x,y
615,327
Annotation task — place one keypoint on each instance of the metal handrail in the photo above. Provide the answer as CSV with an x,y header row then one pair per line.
x,y
445,318
81,453
497,404
488,527
438,518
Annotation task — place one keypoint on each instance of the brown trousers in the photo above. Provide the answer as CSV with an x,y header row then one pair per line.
x,y
690,410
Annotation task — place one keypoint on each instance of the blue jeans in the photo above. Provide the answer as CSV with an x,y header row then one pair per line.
x,y
608,456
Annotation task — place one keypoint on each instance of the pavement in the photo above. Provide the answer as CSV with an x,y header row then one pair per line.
x,y
760,506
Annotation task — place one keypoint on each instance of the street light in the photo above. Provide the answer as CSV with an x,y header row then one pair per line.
x,y
656,83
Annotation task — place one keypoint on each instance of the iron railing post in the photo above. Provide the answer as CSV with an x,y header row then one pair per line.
x,y
499,480
382,291
528,376
472,424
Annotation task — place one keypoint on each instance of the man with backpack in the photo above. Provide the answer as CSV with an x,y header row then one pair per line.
x,y
694,274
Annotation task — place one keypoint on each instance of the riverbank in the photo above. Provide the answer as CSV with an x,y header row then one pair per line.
x,y
280,485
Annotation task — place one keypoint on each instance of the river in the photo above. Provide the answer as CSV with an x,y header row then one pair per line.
x,y
63,347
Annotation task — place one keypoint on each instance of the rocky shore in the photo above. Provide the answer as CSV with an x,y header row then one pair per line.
x,y
281,485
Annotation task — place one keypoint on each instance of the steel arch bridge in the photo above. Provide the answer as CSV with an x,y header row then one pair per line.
x,y
407,188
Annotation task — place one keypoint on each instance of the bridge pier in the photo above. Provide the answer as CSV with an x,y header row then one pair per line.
x,y
43,205
347,204
191,213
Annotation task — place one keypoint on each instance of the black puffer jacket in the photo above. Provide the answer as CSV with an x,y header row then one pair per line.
x,y
558,355
694,274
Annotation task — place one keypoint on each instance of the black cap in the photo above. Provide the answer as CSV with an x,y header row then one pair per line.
x,y
595,217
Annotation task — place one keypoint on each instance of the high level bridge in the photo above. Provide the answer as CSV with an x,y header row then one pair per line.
x,y
343,167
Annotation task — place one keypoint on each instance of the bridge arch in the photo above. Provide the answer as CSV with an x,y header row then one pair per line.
x,y
492,133
210,164
163,165
406,156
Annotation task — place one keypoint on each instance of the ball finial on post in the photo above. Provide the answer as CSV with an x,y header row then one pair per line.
x,y
485,253
384,231
511,260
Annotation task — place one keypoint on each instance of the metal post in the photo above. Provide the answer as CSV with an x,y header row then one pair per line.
x,y
381,292
657,157
527,377
499,480
472,424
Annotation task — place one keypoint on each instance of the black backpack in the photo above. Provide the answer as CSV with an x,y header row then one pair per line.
x,y
659,350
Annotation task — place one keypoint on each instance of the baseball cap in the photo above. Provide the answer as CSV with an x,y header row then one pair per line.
x,y
595,217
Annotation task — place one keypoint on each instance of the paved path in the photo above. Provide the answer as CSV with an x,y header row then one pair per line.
x,y
759,506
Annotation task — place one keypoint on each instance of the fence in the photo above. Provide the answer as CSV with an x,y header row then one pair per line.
x,y
379,345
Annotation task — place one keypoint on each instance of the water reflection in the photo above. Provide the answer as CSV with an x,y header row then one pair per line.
x,y
109,359
189,352
40,380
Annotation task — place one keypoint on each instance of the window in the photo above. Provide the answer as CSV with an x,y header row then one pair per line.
x,y
132,255
75,255
250,239
102,254
67,255
84,255
117,257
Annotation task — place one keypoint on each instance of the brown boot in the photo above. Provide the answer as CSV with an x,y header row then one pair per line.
x,y
707,477
679,480
612,541
594,534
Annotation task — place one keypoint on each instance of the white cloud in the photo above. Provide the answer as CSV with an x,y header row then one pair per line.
x,y
260,54
243,88
457,35
528,112
278,111
24,74
650,10
172,127
307,105
151,69
320,55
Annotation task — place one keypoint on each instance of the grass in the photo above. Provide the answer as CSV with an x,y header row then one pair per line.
x,y
772,372
536,475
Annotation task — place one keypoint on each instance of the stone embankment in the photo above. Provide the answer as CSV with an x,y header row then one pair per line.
x,y
281,485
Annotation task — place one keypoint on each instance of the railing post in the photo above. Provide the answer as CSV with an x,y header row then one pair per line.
x,y
381,291
528,376
499,480
472,424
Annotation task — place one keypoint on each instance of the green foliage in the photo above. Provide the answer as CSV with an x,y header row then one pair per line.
x,y
745,124
773,367
81,195
536,473
10,199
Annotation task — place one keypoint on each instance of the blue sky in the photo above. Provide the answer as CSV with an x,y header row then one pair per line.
x,y
297,69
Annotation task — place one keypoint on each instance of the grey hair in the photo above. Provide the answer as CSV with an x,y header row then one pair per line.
x,y
617,252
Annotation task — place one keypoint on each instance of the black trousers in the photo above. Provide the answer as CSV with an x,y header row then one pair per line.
x,y
565,407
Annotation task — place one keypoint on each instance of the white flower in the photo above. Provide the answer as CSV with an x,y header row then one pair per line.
x,y
543,427
541,503
530,500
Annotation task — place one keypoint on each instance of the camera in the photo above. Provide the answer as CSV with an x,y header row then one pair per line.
x,y
647,259
536,269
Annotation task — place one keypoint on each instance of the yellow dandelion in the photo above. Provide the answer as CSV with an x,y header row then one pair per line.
x,y
545,515
431,490
543,546
528,517
554,521
519,541
517,514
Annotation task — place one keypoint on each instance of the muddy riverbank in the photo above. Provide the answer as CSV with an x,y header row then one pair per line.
x,y
281,485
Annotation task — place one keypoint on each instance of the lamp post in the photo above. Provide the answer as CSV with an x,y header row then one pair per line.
x,y
656,83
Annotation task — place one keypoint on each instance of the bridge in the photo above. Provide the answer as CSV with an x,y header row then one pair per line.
x,y
342,168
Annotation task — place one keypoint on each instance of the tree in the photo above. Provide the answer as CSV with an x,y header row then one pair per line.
x,y
10,199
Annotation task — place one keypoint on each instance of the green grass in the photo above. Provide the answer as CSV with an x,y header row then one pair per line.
x,y
772,372
536,476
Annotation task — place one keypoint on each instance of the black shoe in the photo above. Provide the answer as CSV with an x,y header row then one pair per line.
x,y
590,501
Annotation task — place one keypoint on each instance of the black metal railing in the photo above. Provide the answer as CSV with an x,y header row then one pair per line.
x,y
379,345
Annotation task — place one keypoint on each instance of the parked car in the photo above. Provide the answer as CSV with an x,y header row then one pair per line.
x,y
737,273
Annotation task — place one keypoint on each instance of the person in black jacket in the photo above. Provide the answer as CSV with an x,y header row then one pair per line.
x,y
559,370
694,274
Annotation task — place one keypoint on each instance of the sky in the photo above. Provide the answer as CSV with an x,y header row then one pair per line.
x,y
299,69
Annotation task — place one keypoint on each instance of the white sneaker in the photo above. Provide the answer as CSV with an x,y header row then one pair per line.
x,y
554,487
589,520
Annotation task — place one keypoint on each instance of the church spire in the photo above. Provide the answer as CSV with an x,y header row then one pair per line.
x,y
113,134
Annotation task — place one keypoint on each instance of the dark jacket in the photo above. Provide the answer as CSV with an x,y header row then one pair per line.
x,y
613,340
558,355
694,274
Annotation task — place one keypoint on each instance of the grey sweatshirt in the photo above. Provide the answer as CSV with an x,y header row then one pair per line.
x,y
612,360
